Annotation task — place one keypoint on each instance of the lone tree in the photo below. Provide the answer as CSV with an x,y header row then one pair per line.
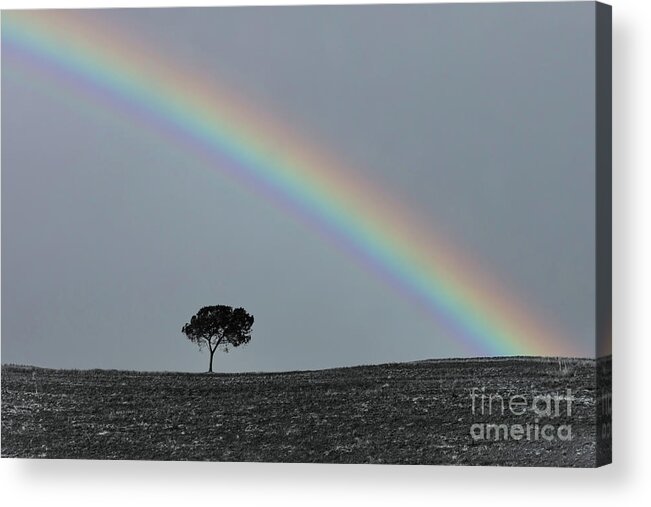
x,y
215,326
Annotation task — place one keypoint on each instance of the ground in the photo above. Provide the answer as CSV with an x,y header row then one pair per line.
x,y
411,413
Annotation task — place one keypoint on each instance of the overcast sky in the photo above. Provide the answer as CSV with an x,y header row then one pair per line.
x,y
480,117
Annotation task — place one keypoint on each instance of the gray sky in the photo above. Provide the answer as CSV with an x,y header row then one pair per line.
x,y
480,117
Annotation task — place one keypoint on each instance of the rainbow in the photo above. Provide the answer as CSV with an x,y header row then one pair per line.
x,y
233,135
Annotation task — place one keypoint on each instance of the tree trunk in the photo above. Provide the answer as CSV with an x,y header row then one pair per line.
x,y
212,353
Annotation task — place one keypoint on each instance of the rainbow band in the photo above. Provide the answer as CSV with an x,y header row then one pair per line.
x,y
316,188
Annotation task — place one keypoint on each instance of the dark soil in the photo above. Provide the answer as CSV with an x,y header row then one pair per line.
x,y
411,413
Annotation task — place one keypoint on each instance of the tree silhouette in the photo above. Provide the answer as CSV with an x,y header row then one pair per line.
x,y
219,326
